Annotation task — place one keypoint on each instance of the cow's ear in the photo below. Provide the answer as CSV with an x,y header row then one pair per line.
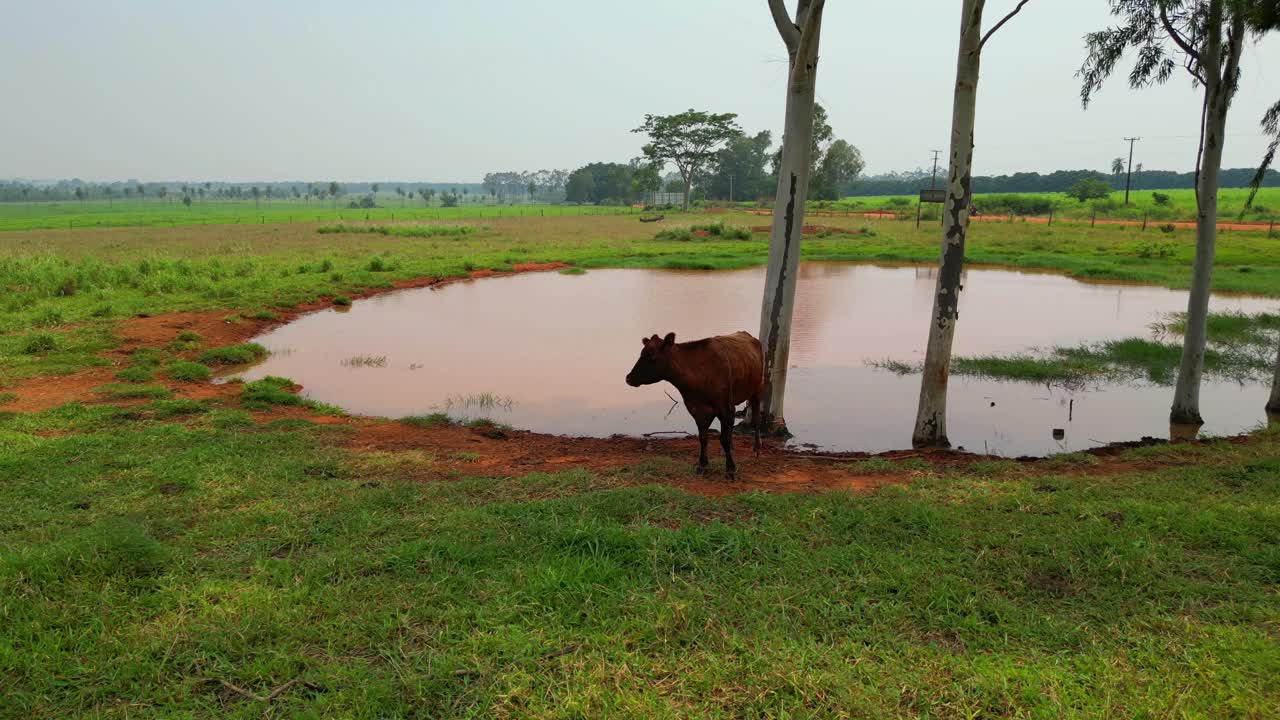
x,y
644,341
669,340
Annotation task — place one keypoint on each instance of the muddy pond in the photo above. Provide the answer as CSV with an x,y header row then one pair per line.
x,y
548,352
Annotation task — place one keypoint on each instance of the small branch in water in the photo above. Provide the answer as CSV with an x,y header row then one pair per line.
x,y
846,458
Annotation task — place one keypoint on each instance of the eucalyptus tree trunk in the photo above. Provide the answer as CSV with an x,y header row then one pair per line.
x,y
778,306
1273,405
931,416
1220,86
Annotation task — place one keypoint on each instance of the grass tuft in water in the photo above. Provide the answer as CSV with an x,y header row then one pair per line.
x,y
373,361
480,401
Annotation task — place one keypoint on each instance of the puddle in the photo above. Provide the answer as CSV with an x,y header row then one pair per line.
x,y
548,352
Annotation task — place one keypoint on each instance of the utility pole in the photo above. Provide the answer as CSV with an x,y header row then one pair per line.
x,y
730,187
933,184
1129,176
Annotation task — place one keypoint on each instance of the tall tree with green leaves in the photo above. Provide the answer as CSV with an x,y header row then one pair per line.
x,y
841,164
1205,38
800,36
1117,167
687,140
739,169
931,414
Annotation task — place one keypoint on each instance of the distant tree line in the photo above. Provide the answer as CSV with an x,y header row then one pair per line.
x,y
188,193
909,183
523,186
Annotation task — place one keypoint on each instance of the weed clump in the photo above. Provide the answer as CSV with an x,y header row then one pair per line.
x,y
136,374
432,420
232,354
133,392
716,230
163,409
268,391
272,390
398,231
342,301
39,344
186,371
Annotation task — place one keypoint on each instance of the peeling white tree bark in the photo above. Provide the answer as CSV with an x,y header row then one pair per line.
x,y
931,415
1219,89
801,39
1273,405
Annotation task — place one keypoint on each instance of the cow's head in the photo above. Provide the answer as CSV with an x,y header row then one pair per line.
x,y
654,364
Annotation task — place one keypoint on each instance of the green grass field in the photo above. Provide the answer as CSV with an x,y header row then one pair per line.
x,y
130,213
152,559
152,213
1181,205
168,557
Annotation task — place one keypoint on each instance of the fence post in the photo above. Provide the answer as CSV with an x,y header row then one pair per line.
x,y
918,207
1094,221
1050,216
1144,222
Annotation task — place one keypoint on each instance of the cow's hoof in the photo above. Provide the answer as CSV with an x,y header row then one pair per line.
x,y
731,475
699,469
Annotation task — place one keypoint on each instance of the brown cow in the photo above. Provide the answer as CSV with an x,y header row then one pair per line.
x,y
713,376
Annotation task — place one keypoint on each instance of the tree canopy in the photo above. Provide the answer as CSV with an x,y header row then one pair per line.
x,y
606,183
688,140
743,159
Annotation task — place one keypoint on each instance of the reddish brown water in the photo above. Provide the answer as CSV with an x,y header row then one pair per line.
x,y
548,352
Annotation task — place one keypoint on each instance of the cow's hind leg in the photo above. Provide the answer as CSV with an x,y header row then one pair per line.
x,y
755,423
726,442
704,423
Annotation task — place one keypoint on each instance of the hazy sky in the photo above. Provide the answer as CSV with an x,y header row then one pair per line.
x,y
447,91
